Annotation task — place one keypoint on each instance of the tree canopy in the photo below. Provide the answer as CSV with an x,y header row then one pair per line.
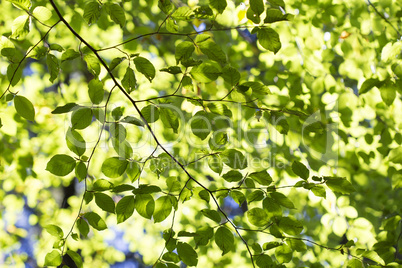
x,y
201,133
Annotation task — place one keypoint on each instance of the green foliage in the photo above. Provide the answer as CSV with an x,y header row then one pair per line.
x,y
255,134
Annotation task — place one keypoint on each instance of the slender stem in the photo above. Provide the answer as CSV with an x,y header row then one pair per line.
x,y
384,18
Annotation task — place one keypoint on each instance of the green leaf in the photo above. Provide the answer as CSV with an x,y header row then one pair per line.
x,y
283,253
95,91
256,195
42,13
319,191
218,5
54,230
388,92
145,205
391,51
204,195
172,70
56,47
230,75
369,84
105,202
20,27
95,221
133,171
81,118
115,62
21,4
238,196
117,14
24,107
215,163
75,257
122,188
184,50
271,245
75,142
206,72
125,208
69,54
169,118
166,6
65,108
54,67
61,165
340,185
297,245
203,235
83,227
272,206
183,13
163,208
150,113
129,81
53,258
91,12
218,141
173,184
262,177
145,67
133,120
147,189
224,239
212,50
234,159
395,155
93,65
269,39
14,73
258,217
171,257
263,261
201,125
212,214
355,263
300,170
257,6
114,167
102,185
282,200
372,255
232,176
187,254
275,15
253,16
290,226
88,196
81,171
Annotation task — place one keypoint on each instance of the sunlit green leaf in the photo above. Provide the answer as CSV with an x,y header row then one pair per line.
x,y
145,67
340,185
91,12
187,254
234,159
53,258
125,208
24,107
224,239
61,165
105,202
54,230
258,217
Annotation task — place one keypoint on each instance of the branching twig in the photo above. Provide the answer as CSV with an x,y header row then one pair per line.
x,y
385,19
